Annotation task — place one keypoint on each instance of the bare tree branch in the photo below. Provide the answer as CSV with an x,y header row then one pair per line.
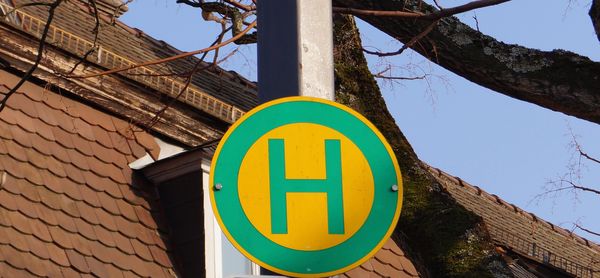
x,y
588,157
382,75
240,5
38,59
418,15
399,77
586,230
595,16
190,3
407,45
570,185
96,32
169,59
558,80
575,144
583,188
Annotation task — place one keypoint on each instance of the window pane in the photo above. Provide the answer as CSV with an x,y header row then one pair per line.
x,y
234,263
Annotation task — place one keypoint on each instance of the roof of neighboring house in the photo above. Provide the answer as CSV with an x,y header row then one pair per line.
x,y
218,92
523,232
389,261
68,204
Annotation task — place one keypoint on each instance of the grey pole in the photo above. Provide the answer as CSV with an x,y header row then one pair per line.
x,y
295,49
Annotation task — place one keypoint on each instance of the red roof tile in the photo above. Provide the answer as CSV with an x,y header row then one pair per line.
x,y
38,247
102,137
120,143
136,149
124,244
19,135
97,268
141,249
41,230
128,211
148,143
388,262
69,272
58,255
66,222
77,261
108,203
66,205
105,236
71,189
7,201
107,220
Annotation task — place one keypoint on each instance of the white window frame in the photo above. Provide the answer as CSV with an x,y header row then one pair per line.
x,y
212,233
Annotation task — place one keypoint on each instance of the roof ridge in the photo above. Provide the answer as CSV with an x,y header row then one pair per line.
x,y
515,209
194,95
233,76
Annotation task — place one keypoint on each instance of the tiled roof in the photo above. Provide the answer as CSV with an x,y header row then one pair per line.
x,y
220,93
523,232
66,173
389,261
68,205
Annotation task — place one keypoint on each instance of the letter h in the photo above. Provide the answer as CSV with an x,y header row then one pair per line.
x,y
331,186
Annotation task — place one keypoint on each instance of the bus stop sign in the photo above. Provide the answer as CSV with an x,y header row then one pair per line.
x,y
305,187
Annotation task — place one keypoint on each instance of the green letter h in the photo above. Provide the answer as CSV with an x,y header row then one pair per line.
x,y
331,185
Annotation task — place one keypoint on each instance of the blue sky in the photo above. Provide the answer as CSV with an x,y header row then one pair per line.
x,y
507,147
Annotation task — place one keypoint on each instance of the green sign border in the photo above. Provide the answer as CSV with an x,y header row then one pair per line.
x,y
247,239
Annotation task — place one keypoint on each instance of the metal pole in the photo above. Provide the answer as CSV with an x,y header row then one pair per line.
x,y
295,49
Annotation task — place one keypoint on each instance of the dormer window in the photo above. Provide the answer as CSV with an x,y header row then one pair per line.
x,y
202,250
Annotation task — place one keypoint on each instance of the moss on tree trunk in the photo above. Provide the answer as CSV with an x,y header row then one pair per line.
x,y
442,238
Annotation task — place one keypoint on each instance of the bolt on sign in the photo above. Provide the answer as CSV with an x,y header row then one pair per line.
x,y
306,187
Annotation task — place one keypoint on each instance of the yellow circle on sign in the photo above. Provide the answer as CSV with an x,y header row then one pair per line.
x,y
306,212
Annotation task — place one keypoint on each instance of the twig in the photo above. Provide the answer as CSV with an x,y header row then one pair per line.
x,y
96,32
353,11
407,45
228,55
188,82
476,21
219,40
584,154
190,3
169,59
389,68
240,5
400,77
586,230
573,185
417,15
588,156
38,59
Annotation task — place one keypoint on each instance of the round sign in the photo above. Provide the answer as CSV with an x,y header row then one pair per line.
x,y
305,187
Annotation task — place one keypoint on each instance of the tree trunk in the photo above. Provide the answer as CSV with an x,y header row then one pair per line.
x,y
433,229
557,80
